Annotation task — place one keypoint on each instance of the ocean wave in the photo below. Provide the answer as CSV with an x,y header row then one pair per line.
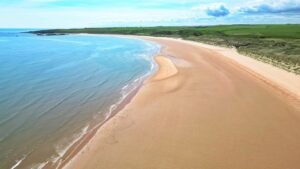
x,y
66,41
18,162
61,151
128,89
131,86
57,104
39,165
102,48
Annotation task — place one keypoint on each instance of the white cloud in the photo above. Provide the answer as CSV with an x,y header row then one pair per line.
x,y
271,6
213,9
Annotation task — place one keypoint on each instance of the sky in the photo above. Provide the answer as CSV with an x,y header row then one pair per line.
x,y
112,13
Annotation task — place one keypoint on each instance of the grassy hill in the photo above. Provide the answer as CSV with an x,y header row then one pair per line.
x,y
275,44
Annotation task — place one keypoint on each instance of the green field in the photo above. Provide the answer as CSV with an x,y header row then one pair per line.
x,y
275,44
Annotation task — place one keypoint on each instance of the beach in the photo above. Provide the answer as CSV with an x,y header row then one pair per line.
x,y
206,107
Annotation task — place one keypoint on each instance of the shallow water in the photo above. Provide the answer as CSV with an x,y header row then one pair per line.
x,y
52,88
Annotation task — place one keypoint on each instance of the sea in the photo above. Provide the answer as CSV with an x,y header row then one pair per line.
x,y
55,89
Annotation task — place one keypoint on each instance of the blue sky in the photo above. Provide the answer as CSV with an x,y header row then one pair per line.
x,y
106,13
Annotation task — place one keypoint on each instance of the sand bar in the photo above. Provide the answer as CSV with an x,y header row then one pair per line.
x,y
202,110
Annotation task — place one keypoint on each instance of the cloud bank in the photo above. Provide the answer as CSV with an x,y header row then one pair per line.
x,y
217,10
272,7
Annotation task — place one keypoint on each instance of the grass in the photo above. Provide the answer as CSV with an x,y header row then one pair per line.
x,y
275,44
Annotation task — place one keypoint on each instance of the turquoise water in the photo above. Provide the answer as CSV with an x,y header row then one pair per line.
x,y
53,88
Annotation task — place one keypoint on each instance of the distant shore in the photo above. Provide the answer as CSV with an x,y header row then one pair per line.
x,y
204,108
276,44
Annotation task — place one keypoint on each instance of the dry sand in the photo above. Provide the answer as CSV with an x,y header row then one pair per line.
x,y
202,110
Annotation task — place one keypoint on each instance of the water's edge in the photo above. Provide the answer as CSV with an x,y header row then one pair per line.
x,y
81,139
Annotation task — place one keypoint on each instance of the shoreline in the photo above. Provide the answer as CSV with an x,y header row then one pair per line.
x,y
133,132
79,146
82,142
75,148
126,98
155,76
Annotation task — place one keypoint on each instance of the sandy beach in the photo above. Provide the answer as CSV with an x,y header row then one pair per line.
x,y
205,108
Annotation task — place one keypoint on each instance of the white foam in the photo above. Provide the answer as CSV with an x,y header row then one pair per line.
x,y
62,151
127,90
40,165
18,162
65,41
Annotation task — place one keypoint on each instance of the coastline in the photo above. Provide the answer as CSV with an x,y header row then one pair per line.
x,y
128,92
127,128
157,75
75,148
82,142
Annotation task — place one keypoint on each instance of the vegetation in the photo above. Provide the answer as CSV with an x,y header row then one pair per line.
x,y
275,44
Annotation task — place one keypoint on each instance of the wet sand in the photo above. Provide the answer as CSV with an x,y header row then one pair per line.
x,y
202,109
